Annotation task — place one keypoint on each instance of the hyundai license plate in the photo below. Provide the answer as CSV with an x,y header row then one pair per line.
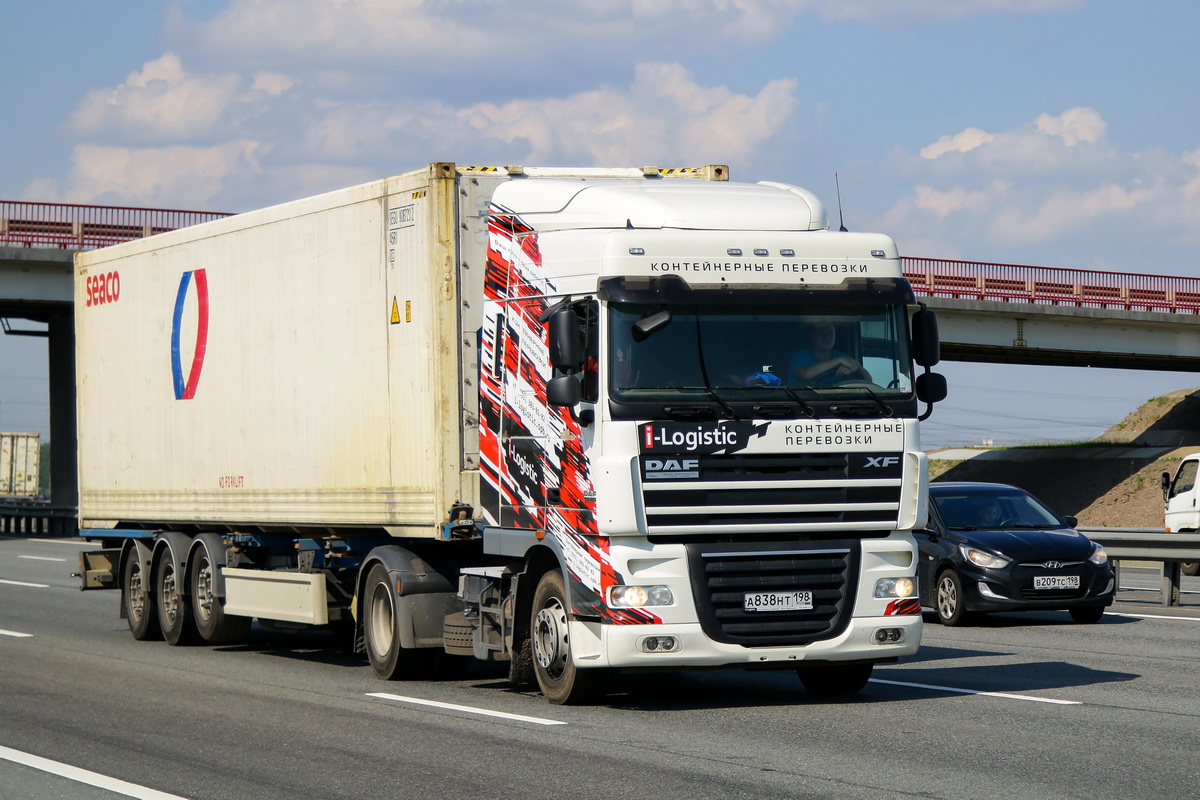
x,y
1056,582
777,601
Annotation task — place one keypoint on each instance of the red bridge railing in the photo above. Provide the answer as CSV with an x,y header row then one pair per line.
x,y
1011,283
81,227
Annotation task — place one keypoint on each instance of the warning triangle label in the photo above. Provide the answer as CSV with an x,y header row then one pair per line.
x,y
395,312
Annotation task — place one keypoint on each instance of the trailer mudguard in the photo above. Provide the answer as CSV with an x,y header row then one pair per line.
x,y
425,594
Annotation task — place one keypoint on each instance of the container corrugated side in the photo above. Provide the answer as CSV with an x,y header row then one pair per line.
x,y
292,366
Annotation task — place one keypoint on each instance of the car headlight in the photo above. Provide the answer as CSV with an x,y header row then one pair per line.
x,y
982,558
895,587
639,596
1099,555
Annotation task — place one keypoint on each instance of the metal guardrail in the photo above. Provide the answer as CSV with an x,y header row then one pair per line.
x,y
81,227
1150,544
38,519
1084,288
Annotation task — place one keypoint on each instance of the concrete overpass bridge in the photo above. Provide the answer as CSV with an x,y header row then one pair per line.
x,y
993,313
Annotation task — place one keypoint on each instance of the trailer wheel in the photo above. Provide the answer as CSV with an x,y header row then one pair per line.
x,y
174,610
137,600
560,680
381,629
212,623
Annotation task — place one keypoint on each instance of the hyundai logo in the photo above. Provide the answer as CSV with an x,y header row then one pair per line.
x,y
1053,565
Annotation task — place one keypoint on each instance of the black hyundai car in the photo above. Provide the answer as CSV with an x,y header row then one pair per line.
x,y
993,547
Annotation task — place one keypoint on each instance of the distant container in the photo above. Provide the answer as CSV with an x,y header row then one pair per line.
x,y
20,456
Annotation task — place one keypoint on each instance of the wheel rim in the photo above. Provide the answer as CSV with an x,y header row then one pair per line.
x,y
137,593
170,595
550,642
947,598
204,589
382,628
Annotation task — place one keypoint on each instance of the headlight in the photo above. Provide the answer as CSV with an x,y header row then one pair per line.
x,y
982,558
639,596
1099,555
895,587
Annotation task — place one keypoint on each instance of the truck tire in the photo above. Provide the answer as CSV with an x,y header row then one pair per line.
x,y
834,680
137,600
212,623
381,630
174,609
560,680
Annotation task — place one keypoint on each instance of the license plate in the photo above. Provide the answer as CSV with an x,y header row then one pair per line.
x,y
777,601
1056,582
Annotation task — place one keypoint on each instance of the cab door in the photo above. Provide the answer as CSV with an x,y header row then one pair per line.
x,y
1181,512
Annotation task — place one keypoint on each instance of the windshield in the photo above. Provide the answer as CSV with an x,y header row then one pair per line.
x,y
973,509
689,352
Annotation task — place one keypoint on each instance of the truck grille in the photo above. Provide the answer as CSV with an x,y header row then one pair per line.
x,y
722,575
776,493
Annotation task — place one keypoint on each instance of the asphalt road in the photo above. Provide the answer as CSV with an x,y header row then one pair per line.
x,y
1021,706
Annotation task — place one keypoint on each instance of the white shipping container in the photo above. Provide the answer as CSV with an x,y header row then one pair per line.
x,y
20,460
295,366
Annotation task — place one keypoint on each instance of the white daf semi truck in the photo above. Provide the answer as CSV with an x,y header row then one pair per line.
x,y
578,420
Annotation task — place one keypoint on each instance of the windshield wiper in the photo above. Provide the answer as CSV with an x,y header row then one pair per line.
x,y
708,387
860,410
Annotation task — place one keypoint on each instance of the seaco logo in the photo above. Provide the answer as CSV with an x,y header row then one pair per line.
x,y
658,469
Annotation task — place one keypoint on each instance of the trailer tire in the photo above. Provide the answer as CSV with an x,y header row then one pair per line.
x,y
208,611
137,599
561,681
174,609
381,630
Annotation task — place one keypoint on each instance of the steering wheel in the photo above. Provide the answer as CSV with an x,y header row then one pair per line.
x,y
1005,523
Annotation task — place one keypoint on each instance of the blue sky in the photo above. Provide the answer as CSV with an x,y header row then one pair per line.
x,y
1046,132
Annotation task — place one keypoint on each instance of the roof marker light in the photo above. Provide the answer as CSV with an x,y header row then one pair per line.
x,y
878,253
788,252
734,251
637,251
758,251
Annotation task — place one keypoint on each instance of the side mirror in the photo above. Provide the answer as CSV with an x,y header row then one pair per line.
x,y
1072,522
931,387
927,348
564,391
1165,482
566,343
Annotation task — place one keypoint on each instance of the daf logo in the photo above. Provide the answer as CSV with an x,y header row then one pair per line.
x,y
660,468
1053,565
882,461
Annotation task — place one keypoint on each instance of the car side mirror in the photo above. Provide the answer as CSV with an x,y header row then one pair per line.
x,y
1165,483
1072,522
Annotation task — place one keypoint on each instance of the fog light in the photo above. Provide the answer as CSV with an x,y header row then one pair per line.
x,y
660,644
889,635
895,587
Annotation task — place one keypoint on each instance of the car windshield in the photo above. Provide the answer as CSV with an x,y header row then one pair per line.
x,y
975,509
685,352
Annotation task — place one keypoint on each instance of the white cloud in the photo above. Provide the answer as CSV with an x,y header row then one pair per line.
x,y
1074,126
893,12
963,142
161,102
166,177
1055,182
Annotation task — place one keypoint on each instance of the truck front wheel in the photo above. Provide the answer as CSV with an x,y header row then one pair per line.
x,y
381,628
560,680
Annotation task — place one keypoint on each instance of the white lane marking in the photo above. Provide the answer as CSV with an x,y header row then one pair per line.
x,y
16,634
42,558
24,583
73,542
1005,695
85,776
468,709
1152,616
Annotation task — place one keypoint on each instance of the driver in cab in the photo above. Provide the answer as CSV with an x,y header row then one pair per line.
x,y
820,364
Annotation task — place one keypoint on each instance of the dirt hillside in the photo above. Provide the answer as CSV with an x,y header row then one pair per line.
x,y
1111,482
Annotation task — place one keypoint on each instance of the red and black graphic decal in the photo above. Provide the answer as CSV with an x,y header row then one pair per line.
x,y
906,607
